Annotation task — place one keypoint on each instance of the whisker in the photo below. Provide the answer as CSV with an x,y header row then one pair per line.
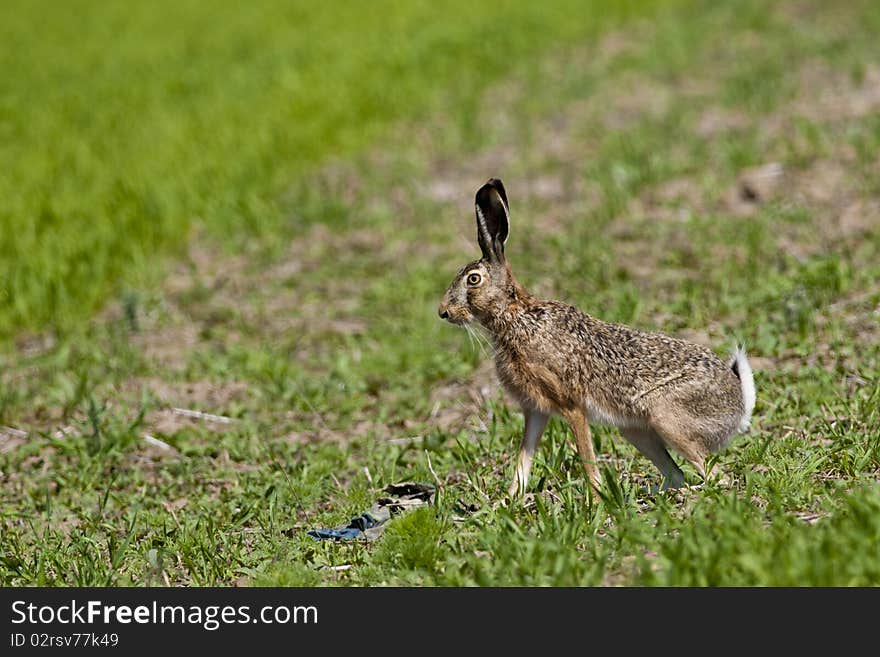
x,y
482,342
490,348
471,337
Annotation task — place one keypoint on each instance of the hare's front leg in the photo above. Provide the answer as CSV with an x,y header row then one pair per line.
x,y
580,426
649,443
536,422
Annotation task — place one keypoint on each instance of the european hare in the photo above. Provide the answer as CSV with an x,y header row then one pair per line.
x,y
659,391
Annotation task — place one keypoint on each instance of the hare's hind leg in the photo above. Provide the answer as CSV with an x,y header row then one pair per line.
x,y
536,422
682,435
577,420
651,445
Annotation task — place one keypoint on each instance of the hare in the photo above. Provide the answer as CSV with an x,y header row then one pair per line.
x,y
661,392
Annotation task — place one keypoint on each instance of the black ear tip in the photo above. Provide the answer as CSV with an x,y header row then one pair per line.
x,y
493,184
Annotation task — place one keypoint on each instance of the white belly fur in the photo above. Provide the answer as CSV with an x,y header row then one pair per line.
x,y
599,415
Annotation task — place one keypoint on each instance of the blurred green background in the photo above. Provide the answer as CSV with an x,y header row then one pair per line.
x,y
122,125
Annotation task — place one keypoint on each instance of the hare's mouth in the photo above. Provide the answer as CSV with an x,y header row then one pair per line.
x,y
455,315
458,318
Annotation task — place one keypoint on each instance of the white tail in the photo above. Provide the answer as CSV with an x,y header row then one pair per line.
x,y
740,365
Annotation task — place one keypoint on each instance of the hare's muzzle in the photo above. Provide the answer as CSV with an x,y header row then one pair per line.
x,y
443,311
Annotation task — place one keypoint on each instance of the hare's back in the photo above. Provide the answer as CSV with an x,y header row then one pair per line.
x,y
634,359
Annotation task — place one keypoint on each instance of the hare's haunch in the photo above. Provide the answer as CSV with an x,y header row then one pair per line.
x,y
659,391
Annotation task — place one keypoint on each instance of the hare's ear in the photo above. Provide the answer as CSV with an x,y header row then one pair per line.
x,y
493,220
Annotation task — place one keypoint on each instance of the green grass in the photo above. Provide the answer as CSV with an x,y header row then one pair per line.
x,y
122,128
317,335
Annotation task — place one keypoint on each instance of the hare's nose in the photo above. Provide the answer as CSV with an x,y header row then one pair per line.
x,y
444,314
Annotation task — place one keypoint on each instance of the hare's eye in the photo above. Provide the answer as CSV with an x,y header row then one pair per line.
x,y
474,279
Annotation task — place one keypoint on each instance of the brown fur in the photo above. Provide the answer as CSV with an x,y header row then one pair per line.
x,y
552,358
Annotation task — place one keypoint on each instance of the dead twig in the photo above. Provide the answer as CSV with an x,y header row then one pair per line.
x,y
155,442
404,441
203,416
434,474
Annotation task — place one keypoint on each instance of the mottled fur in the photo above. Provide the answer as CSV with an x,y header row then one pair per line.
x,y
660,391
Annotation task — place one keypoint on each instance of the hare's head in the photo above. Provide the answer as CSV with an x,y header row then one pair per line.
x,y
484,288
